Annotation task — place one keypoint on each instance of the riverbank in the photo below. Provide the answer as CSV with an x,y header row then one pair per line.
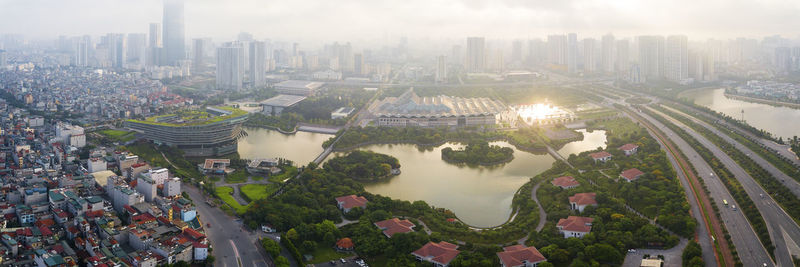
x,y
763,101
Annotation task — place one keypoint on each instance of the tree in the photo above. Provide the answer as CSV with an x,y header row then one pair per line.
x,y
281,261
292,234
692,250
309,246
271,246
210,259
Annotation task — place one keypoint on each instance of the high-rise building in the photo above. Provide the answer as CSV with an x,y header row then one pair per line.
x,y
117,49
607,53
651,57
3,59
457,56
623,56
516,53
441,69
136,50
476,54
258,63
174,36
537,52
589,55
229,68
572,53
82,46
358,67
677,58
154,45
557,49
198,54
696,65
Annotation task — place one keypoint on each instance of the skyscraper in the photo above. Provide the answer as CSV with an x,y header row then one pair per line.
x,y
258,64
174,43
82,51
137,43
589,58
229,68
476,54
607,54
154,45
358,61
557,49
516,52
117,49
198,54
623,56
3,58
572,53
651,57
441,69
677,58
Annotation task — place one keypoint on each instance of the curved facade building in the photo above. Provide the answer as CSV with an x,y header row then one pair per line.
x,y
217,136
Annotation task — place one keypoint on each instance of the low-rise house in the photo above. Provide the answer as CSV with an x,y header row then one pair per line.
x,y
580,201
629,149
394,226
575,226
565,182
345,244
346,203
601,156
631,175
440,254
520,256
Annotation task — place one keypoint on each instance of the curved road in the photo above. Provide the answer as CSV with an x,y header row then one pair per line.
x,y
542,214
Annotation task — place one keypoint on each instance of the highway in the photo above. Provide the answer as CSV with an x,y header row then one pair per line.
x,y
784,231
748,246
231,242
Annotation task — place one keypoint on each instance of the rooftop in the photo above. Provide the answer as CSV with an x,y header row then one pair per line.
x,y
576,224
300,84
517,255
442,252
283,100
194,117
394,225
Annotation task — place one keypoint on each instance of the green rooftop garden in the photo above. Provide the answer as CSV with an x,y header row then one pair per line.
x,y
192,117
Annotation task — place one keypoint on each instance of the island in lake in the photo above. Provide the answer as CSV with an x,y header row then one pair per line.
x,y
365,165
479,153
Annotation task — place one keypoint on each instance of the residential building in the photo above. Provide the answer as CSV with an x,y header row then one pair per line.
x,y
601,156
394,226
520,256
631,175
575,226
580,201
565,182
346,203
439,254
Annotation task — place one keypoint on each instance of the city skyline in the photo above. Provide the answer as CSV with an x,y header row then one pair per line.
x,y
315,21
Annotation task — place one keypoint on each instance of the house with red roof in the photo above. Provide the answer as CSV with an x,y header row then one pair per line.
x,y
565,182
394,225
629,149
601,156
580,201
440,254
345,244
575,226
346,203
520,256
631,175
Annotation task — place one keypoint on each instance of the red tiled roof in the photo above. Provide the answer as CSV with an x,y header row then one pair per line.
x,y
441,252
345,243
518,254
394,225
576,224
631,174
565,181
352,201
583,199
599,155
627,147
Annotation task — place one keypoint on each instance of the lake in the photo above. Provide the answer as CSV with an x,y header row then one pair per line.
x,y
780,121
301,147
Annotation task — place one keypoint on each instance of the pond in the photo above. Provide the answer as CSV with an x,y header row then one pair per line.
x,y
301,147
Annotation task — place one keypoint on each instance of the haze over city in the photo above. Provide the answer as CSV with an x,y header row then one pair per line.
x,y
317,21
412,133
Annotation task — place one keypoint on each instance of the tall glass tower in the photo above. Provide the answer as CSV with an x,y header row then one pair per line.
x,y
174,36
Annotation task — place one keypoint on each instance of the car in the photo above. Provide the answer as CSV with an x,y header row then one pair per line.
x,y
333,262
343,260
733,207
208,225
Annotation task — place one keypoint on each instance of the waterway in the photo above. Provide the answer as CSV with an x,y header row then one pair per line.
x,y
300,147
480,196
780,121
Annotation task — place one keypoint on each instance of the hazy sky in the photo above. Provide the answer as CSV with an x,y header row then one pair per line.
x,y
332,20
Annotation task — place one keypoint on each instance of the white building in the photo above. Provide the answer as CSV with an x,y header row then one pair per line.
x,y
677,58
172,187
96,165
230,71
258,63
158,175
146,187
70,134
441,69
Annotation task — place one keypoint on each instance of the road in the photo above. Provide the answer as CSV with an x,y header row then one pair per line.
x,y
228,236
748,246
783,230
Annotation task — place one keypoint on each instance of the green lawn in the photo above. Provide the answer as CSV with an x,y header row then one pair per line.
x,y
238,176
117,135
225,193
326,254
254,192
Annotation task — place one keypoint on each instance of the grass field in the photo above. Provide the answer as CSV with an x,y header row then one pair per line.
x,y
254,192
288,171
117,135
225,193
238,176
326,254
